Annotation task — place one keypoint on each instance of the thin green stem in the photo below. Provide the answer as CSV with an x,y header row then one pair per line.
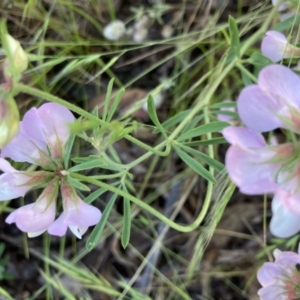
x,y
108,176
143,205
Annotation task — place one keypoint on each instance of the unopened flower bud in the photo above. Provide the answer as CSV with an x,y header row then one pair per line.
x,y
17,61
9,121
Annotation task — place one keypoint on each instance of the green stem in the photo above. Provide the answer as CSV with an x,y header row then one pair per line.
x,y
143,205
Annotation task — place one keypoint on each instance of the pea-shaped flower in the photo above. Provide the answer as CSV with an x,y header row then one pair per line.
x,y
280,279
41,141
276,47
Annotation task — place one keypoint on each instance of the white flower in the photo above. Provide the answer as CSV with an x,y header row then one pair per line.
x,y
114,30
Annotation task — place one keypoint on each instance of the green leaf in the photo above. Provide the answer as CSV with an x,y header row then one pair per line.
x,y
95,236
195,165
259,60
107,98
246,78
287,24
92,163
234,37
232,114
2,248
153,116
77,184
94,195
216,126
80,160
193,123
49,64
175,119
126,221
223,105
68,150
204,157
5,294
213,141
115,104
72,66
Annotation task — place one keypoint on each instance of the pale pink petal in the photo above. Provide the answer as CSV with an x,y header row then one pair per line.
x,y
282,85
288,261
77,216
55,120
257,110
288,179
39,127
32,126
12,183
272,293
5,166
81,215
285,222
58,227
269,273
33,217
23,148
248,171
243,137
274,46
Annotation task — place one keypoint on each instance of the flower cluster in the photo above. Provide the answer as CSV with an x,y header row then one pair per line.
x,y
41,141
280,279
257,167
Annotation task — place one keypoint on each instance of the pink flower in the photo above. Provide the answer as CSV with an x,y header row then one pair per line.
x,y
257,168
40,129
43,128
41,140
252,164
280,279
35,218
276,47
77,215
272,103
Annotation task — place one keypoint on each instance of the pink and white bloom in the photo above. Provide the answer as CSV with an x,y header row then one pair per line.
x,y
41,140
77,215
272,103
35,218
276,47
257,168
251,164
280,279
